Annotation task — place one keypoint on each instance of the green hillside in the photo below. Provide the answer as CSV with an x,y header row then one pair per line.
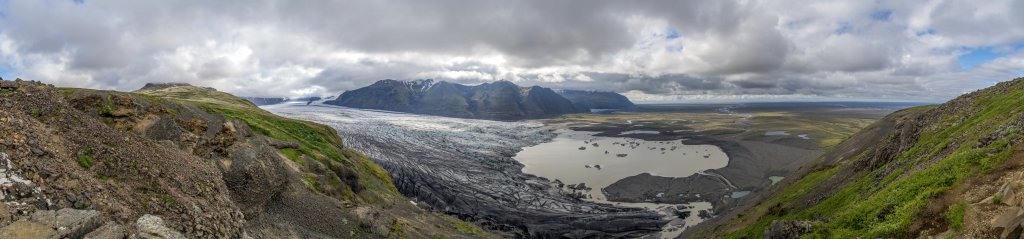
x,y
903,177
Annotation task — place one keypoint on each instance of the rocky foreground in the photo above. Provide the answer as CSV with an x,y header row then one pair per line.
x,y
88,224
173,161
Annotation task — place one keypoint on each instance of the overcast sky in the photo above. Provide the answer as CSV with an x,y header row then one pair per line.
x,y
649,50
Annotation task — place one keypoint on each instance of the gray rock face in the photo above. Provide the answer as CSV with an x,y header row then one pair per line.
x,y
69,223
110,230
65,223
27,229
152,227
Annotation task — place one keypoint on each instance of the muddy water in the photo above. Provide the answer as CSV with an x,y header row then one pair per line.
x,y
572,158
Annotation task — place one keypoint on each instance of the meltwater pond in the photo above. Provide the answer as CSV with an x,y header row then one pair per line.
x,y
575,157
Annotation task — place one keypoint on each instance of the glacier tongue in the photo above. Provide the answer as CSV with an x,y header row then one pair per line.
x,y
465,167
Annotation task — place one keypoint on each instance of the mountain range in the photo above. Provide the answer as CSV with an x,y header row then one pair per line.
x,y
501,100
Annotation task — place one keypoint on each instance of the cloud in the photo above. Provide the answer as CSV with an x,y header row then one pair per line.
x,y
691,49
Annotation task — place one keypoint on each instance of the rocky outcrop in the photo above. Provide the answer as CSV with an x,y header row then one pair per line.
x,y
110,230
783,229
152,227
53,156
63,223
500,100
86,224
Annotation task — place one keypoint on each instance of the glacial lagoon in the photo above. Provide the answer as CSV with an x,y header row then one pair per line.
x,y
574,157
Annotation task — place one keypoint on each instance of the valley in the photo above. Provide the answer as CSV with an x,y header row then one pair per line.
x,y
533,171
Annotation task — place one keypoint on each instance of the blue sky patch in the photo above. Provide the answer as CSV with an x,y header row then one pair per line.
x,y
672,34
79,1
882,15
4,5
7,72
978,56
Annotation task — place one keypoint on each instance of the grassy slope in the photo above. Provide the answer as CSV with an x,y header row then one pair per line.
x,y
886,201
316,141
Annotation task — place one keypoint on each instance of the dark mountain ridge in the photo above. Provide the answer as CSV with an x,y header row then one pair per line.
x,y
501,100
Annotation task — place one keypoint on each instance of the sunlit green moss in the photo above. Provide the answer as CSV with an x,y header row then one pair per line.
x,y
955,215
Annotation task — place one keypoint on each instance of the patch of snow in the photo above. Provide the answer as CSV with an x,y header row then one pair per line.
x,y
10,178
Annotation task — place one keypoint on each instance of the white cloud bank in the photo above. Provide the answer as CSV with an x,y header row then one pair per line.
x,y
688,50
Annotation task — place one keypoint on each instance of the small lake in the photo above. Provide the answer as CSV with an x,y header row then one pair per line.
x,y
574,157
580,157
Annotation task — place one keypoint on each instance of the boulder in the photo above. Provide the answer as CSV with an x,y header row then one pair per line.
x,y
1008,223
27,229
784,229
1013,232
69,223
110,230
8,85
152,227
64,223
1006,195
